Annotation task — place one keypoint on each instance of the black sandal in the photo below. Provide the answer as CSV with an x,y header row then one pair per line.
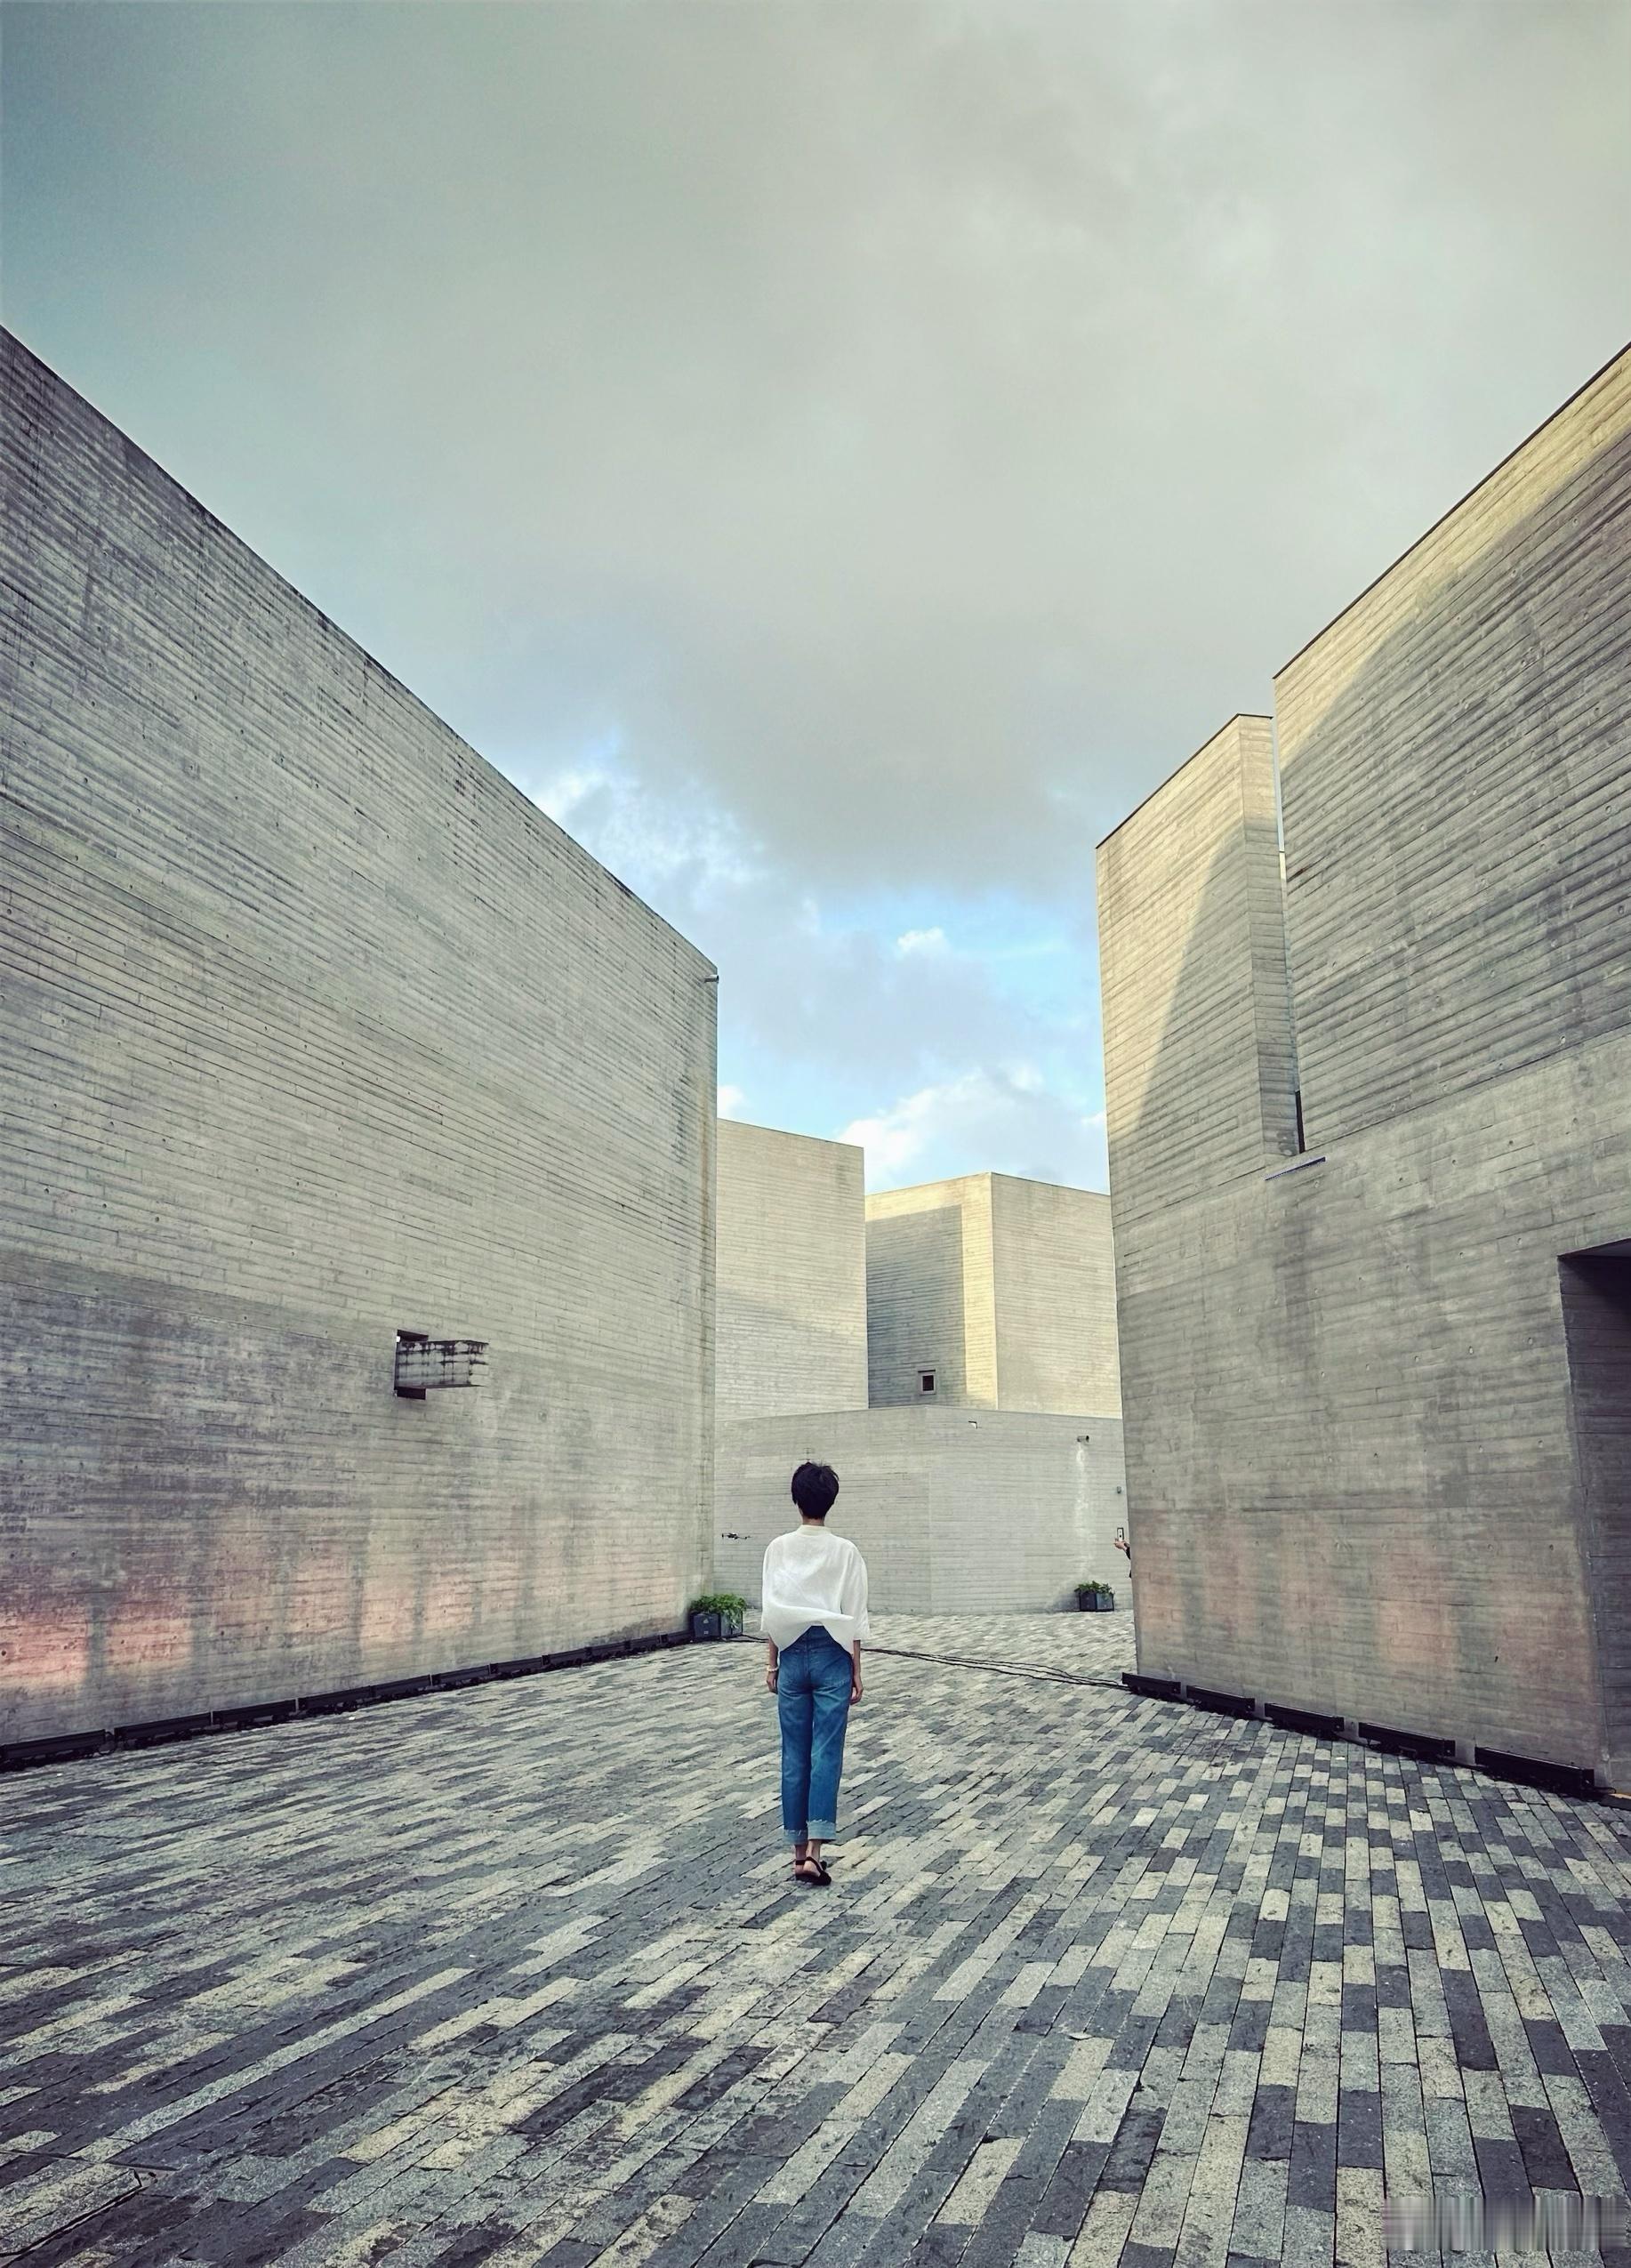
x,y
820,1880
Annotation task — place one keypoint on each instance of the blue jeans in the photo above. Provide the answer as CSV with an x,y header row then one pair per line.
x,y
811,1694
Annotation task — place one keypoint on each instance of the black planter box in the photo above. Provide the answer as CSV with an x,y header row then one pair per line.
x,y
717,1626
1097,1602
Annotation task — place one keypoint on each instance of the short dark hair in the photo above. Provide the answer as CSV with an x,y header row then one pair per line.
x,y
814,1486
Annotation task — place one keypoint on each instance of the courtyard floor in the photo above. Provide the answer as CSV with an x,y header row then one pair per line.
x,y
516,1975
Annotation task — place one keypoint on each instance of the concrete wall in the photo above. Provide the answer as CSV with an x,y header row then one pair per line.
x,y
1005,1289
1456,776
1354,1444
314,1029
1054,1272
976,1279
930,1297
791,1272
1199,1074
955,1512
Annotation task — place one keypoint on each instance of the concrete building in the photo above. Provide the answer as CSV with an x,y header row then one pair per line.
x,y
791,1272
955,1511
316,1032
986,1488
1376,1372
991,1292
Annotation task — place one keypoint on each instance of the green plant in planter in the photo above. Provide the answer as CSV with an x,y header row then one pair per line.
x,y
1095,1597
717,1615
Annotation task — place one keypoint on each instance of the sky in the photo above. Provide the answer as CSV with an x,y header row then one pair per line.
x,y
836,459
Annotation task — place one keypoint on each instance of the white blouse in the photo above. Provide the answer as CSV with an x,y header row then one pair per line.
x,y
812,1576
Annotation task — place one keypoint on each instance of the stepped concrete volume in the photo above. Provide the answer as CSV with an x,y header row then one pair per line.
x,y
992,1291
1370,1145
960,1507
791,1331
316,1032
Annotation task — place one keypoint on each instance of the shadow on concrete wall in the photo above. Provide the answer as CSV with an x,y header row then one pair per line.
x,y
915,1312
1319,1501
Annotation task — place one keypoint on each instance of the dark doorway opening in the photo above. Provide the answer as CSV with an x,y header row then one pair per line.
x,y
1597,1296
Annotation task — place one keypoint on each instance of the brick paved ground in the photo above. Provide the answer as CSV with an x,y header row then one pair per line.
x,y
515,1976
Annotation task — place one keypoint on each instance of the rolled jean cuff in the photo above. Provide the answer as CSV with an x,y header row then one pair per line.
x,y
823,1830
794,1840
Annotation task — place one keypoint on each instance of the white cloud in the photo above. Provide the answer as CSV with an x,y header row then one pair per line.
x,y
893,1140
922,425
731,1099
984,1119
897,435
820,1010
683,837
567,792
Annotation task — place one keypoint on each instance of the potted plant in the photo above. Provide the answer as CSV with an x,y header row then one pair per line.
x,y
717,1615
1095,1598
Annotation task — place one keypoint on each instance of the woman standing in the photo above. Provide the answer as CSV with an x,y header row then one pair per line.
x,y
813,1621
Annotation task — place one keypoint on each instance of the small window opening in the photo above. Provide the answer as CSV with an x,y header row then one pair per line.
x,y
926,1381
1302,1140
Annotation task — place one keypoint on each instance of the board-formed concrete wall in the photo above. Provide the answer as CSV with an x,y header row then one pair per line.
x,y
314,1029
1198,1077
1054,1276
955,1512
791,1273
931,1304
1004,1288
1370,1472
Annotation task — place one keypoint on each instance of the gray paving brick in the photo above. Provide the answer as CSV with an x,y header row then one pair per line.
x,y
516,1974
